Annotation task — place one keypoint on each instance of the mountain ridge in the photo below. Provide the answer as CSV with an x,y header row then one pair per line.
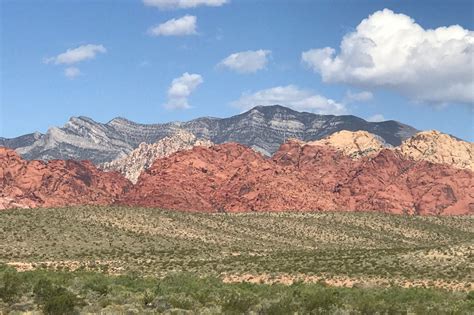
x,y
263,128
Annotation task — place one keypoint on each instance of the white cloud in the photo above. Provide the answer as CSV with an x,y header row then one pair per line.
x,y
183,4
376,118
72,72
363,96
391,51
180,90
185,25
290,96
75,55
246,61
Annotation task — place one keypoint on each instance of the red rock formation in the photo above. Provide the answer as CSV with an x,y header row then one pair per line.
x,y
29,184
231,177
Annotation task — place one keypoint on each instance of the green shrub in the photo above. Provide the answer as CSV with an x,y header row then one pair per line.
x,y
54,300
316,298
238,302
284,305
10,286
98,284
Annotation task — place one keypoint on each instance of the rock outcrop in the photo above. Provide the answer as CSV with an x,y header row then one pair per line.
x,y
263,128
231,177
142,157
439,148
355,144
31,184
432,146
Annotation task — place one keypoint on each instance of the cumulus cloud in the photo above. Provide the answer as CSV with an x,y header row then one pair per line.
x,y
72,72
291,96
363,96
391,51
376,118
183,4
180,89
75,55
185,25
246,61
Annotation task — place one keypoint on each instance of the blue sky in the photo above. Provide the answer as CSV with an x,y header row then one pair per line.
x,y
232,55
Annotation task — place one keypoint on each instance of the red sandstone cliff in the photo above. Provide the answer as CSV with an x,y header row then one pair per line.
x,y
30,184
231,177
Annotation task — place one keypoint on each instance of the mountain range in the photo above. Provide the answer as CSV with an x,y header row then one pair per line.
x,y
428,174
263,128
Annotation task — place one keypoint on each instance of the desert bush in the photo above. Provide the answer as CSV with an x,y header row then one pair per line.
x,y
238,302
10,286
98,284
53,299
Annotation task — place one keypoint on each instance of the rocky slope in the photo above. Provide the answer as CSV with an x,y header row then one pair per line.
x,y
142,157
263,128
438,147
231,177
31,184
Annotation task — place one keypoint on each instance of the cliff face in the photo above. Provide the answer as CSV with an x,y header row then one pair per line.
x,y
132,165
231,177
31,184
263,128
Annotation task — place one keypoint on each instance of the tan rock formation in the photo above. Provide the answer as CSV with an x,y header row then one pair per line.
x,y
437,147
355,144
132,165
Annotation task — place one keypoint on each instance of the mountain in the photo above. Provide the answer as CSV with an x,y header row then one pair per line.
x,y
143,157
263,128
233,178
31,184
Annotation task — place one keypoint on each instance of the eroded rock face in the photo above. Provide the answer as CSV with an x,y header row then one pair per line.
x,y
31,184
440,148
355,144
132,165
231,177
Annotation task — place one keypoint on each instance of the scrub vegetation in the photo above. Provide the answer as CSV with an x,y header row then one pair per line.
x,y
118,259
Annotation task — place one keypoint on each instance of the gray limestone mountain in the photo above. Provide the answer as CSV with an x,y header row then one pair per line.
x,y
142,157
263,128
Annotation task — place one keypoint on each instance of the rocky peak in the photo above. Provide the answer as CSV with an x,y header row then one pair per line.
x,y
355,144
132,165
437,147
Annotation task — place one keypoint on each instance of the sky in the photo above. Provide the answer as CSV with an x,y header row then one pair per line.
x,y
155,61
